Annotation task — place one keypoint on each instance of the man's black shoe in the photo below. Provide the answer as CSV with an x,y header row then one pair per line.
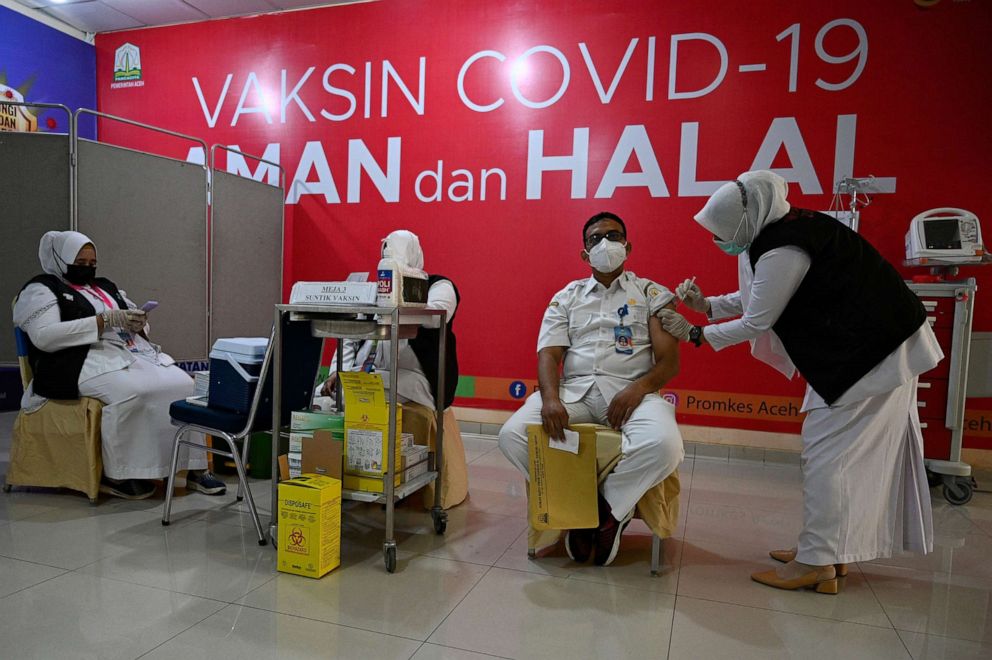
x,y
608,538
579,544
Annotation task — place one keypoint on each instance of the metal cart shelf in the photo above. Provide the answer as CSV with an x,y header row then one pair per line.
x,y
368,322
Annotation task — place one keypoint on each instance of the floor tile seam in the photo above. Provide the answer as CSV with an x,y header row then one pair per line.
x,y
36,563
460,601
468,650
240,600
184,630
108,505
482,455
572,576
729,495
259,608
756,509
577,577
460,561
801,614
986,577
678,577
885,611
943,636
113,555
78,571
967,581
976,526
32,586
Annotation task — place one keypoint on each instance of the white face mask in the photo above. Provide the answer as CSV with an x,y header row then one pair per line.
x,y
606,256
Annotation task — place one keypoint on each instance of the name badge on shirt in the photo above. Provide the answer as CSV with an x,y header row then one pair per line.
x,y
623,339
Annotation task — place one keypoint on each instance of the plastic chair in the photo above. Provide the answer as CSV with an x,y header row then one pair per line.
x,y
57,445
301,354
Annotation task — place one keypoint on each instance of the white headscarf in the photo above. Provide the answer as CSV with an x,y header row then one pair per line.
x,y
766,203
404,247
721,215
58,249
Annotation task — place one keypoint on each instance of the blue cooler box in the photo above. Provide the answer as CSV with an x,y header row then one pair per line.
x,y
235,365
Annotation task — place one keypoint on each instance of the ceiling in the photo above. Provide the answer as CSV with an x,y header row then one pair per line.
x,y
107,15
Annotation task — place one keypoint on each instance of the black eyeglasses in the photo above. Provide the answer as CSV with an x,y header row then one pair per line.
x,y
612,235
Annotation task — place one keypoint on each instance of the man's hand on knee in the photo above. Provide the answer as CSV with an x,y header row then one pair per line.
x,y
624,404
554,418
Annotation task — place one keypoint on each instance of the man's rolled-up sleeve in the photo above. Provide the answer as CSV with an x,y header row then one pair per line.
x,y
554,325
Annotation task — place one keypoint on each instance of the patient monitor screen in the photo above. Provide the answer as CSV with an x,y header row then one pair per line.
x,y
942,234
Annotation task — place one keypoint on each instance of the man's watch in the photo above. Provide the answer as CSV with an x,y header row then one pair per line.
x,y
696,335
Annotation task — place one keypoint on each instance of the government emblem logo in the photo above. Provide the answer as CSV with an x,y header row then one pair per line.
x,y
127,67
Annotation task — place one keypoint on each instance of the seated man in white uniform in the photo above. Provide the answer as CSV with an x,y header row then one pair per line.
x,y
88,339
416,379
616,357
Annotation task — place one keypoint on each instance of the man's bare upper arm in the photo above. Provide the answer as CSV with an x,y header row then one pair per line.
x,y
664,345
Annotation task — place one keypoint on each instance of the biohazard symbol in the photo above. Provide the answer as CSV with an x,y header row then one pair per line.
x,y
297,538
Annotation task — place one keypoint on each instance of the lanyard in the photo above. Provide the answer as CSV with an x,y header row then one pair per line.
x,y
368,366
95,291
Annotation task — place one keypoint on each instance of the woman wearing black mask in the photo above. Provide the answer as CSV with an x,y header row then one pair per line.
x,y
88,339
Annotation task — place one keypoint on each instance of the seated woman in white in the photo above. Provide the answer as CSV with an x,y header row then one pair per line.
x,y
88,339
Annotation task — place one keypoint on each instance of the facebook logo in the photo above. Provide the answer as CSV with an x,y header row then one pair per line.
x,y
518,389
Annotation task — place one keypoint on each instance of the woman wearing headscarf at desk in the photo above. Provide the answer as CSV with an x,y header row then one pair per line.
x,y
815,296
417,375
88,339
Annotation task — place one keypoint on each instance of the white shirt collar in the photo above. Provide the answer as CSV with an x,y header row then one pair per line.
x,y
590,284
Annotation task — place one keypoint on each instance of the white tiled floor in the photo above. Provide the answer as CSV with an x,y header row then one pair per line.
x,y
110,582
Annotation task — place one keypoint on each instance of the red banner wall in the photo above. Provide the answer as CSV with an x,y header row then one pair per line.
x,y
641,108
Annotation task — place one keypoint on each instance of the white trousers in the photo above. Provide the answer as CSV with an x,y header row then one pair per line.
x,y
865,491
650,442
136,430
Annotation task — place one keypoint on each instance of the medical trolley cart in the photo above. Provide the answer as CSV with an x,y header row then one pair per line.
x,y
373,323
943,390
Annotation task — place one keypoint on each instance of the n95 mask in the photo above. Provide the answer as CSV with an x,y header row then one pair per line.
x,y
606,256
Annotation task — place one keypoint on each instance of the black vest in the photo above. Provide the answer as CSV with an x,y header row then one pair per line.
x,y
425,347
852,308
56,375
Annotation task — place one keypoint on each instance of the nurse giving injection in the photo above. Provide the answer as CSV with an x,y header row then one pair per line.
x,y
817,298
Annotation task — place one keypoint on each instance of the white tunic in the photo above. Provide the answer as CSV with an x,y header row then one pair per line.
x,y
133,378
411,383
865,490
777,275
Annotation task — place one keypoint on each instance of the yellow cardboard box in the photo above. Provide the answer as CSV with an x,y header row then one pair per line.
x,y
563,487
366,424
412,463
309,525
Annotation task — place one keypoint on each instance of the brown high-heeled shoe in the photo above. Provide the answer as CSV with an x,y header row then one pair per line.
x,y
823,581
785,556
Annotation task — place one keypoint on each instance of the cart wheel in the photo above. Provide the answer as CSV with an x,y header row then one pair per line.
x,y
440,521
6,488
959,491
389,554
933,479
